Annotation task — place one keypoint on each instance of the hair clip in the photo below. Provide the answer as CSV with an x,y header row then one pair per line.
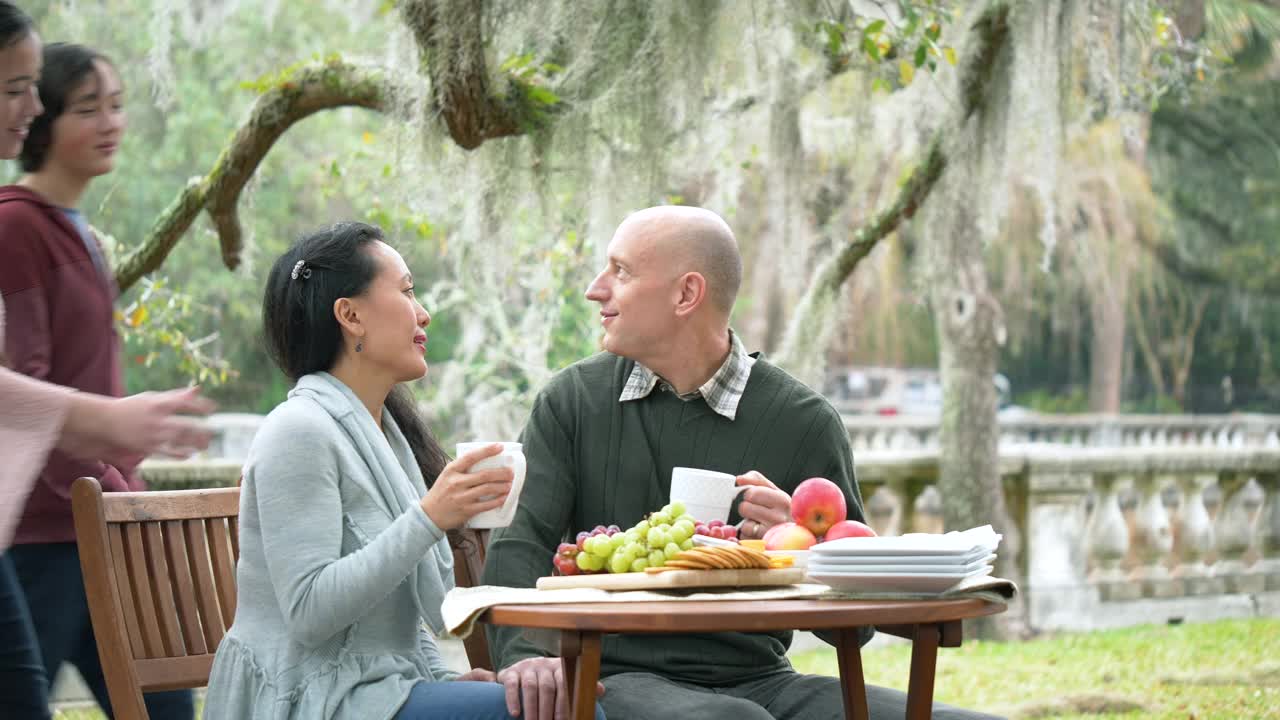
x,y
300,268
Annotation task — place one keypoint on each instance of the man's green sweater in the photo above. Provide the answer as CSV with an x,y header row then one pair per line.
x,y
593,460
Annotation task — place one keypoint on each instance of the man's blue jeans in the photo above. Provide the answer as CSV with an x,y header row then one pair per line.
x,y
24,689
50,578
459,701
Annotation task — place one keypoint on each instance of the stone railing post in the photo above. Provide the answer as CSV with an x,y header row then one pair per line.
x,y
1107,534
1152,537
884,510
1193,537
927,515
1269,530
1234,530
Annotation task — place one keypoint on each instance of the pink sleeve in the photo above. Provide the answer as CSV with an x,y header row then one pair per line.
x,y
32,417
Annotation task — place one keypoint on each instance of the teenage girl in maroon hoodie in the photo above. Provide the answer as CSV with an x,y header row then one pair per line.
x,y
58,294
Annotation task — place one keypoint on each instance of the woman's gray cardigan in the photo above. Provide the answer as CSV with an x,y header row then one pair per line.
x,y
339,568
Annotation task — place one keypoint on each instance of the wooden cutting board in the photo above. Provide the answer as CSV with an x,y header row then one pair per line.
x,y
675,579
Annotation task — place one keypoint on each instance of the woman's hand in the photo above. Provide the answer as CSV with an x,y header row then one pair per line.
x,y
459,493
124,430
477,675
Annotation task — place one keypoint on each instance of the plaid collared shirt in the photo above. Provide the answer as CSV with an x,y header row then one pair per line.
x,y
722,392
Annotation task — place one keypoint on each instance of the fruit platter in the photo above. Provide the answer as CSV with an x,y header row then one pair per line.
x,y
661,552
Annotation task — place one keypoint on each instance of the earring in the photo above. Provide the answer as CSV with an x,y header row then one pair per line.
x,y
359,345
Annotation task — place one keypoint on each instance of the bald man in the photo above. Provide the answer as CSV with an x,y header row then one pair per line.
x,y
674,387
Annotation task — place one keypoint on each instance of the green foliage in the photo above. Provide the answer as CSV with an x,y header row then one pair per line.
x,y
908,38
155,324
1155,405
1045,401
529,92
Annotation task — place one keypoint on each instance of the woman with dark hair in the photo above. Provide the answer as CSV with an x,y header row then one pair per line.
x,y
58,293
345,504
20,61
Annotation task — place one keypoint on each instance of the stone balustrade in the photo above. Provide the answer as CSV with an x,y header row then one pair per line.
x,y
1115,536
1109,536
233,432
1086,430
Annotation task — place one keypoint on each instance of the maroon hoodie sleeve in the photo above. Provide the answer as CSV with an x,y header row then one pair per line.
x,y
23,281
28,341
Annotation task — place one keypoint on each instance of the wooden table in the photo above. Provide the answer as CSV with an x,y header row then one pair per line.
x,y
928,623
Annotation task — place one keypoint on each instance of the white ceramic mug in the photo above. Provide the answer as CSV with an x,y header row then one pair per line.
x,y
707,495
512,456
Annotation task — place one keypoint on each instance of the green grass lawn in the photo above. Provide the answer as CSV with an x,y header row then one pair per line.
x,y
1227,670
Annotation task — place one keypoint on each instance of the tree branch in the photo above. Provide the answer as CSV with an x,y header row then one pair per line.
x,y
302,92
806,338
453,58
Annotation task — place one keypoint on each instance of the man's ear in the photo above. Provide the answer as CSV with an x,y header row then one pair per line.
x,y
348,317
692,287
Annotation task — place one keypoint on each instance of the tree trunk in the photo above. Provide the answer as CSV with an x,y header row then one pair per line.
x,y
960,221
969,324
1108,311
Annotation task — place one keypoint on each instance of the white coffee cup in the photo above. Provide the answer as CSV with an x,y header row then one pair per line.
x,y
707,495
512,456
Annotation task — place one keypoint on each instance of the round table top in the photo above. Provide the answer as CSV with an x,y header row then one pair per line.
x,y
739,616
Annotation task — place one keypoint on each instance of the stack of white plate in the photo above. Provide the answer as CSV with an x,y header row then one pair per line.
x,y
913,563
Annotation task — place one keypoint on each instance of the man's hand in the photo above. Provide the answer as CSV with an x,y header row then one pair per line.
x,y
763,505
537,685
477,675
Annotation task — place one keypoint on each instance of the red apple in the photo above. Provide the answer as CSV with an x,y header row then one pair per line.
x,y
848,528
772,531
789,536
818,504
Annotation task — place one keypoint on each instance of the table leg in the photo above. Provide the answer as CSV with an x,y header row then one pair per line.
x,y
924,665
570,649
852,685
587,674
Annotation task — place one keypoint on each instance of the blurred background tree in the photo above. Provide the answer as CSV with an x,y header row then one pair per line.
x,y
801,123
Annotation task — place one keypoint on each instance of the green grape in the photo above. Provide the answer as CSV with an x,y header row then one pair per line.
x,y
617,541
671,550
659,518
642,527
680,533
686,528
633,536
603,549
595,563
639,564
584,560
687,544
657,558
619,563
675,509
658,538
692,520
